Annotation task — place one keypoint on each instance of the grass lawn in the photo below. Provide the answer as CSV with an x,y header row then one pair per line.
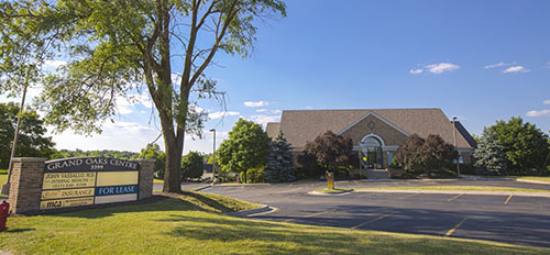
x,y
456,188
3,176
3,179
535,178
192,224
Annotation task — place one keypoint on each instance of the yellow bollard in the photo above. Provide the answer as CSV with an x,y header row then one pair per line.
x,y
330,180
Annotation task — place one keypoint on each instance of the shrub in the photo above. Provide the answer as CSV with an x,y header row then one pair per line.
x,y
428,156
253,175
331,151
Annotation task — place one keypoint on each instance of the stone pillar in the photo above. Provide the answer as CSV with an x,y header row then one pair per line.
x,y
26,184
147,167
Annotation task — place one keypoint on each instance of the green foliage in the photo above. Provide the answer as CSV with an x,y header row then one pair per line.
x,y
490,154
308,167
32,141
152,151
115,48
418,155
279,166
526,147
437,154
409,154
192,165
94,153
246,148
331,151
253,175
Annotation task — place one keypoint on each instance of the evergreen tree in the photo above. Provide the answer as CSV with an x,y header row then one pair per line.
x,y
279,167
490,154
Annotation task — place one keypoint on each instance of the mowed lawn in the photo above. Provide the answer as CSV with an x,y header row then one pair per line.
x,y
535,178
193,224
3,179
456,188
3,176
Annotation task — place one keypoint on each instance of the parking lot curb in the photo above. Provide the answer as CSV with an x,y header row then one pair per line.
x,y
317,193
246,213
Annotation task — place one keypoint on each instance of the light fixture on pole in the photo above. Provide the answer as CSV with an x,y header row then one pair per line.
x,y
456,148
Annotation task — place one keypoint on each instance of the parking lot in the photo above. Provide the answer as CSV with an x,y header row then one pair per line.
x,y
503,217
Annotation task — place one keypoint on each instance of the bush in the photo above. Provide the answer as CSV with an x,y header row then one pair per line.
x,y
308,167
331,151
426,156
253,175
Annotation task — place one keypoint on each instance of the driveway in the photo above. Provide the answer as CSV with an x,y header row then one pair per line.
x,y
505,218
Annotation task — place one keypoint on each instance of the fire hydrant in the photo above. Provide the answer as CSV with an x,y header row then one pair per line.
x,y
4,213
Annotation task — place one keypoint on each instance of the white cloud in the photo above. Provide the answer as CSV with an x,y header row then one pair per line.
x,y
416,71
219,115
499,64
441,68
516,69
546,101
435,68
541,113
263,110
120,135
256,104
52,64
263,119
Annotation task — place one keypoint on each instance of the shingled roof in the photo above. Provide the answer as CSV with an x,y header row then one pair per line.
x,y
301,126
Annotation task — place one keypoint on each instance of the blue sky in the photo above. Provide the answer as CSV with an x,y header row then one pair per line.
x,y
479,60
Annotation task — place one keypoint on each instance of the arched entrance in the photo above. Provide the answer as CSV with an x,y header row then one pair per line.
x,y
371,152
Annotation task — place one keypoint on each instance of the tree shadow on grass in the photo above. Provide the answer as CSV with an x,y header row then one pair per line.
x,y
155,204
278,238
18,230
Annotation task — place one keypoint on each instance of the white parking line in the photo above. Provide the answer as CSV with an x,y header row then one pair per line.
x,y
453,230
455,197
311,215
508,200
372,220
408,196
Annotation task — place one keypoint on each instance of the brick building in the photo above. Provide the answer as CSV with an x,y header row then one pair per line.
x,y
376,133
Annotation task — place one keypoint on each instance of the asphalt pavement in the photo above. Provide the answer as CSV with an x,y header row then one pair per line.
x,y
503,217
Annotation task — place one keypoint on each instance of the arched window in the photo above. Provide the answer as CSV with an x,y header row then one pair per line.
x,y
372,141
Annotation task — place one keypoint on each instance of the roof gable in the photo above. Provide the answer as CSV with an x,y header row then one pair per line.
x,y
301,126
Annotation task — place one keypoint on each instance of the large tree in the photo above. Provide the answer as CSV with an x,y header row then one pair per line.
x,y
115,47
490,154
245,148
33,141
525,146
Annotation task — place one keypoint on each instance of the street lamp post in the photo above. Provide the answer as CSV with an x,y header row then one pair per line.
x,y
456,148
6,187
213,157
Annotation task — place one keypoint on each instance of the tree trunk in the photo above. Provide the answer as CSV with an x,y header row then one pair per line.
x,y
172,182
